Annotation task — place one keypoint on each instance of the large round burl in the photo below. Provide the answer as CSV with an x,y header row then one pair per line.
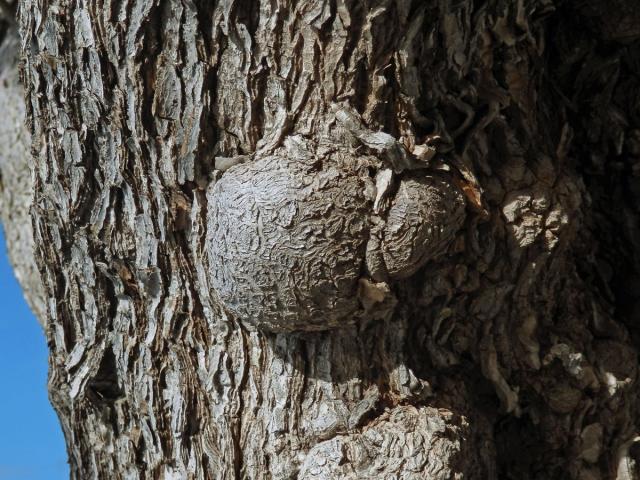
x,y
424,216
286,244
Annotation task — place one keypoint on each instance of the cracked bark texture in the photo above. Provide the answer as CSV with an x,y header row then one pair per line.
x,y
511,355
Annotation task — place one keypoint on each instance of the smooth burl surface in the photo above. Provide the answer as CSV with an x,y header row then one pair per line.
x,y
287,240
424,216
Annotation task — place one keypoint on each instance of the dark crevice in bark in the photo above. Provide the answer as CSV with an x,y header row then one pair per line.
x,y
520,449
258,88
104,387
148,58
602,85
361,86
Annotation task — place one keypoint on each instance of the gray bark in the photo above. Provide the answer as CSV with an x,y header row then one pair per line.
x,y
16,189
503,347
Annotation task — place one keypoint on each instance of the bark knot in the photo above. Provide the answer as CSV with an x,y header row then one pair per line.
x,y
291,240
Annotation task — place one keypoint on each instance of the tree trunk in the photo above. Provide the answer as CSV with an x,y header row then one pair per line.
x,y
338,239
16,188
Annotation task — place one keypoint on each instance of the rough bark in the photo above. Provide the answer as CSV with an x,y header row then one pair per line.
x,y
510,348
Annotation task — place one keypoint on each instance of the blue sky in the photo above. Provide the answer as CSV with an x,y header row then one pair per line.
x,y
31,442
